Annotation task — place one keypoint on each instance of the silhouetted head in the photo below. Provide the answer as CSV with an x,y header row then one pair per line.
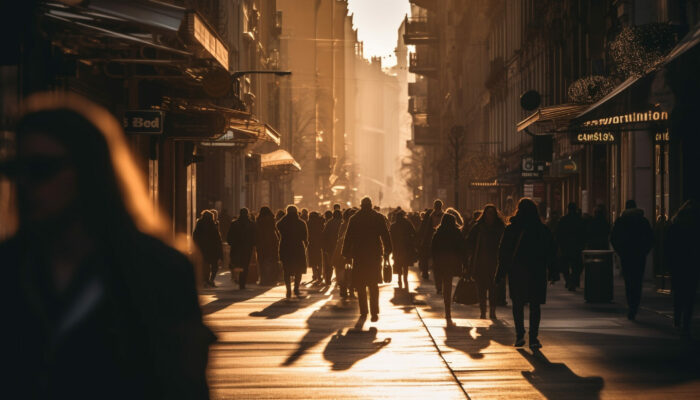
x,y
265,212
526,212
292,211
73,163
448,222
490,215
458,217
572,208
206,215
437,205
600,212
243,213
366,203
337,214
630,204
336,206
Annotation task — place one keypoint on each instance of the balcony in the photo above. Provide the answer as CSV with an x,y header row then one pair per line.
x,y
422,64
419,88
427,4
418,105
423,136
418,31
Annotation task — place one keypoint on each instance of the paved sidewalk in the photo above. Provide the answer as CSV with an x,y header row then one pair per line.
x,y
273,348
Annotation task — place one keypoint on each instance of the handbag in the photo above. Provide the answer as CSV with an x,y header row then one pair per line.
x,y
466,292
386,271
347,275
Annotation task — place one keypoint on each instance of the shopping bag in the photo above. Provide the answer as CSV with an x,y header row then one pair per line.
x,y
466,292
386,271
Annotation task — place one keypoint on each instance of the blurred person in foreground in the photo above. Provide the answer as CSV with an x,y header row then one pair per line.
x,y
100,307
526,255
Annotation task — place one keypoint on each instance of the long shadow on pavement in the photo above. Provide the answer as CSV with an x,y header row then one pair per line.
x,y
227,296
555,380
288,306
344,350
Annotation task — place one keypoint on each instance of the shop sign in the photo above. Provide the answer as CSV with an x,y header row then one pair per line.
x,y
209,41
662,137
648,116
594,137
143,121
531,169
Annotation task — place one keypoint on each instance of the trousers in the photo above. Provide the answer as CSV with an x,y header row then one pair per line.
x,y
519,319
373,299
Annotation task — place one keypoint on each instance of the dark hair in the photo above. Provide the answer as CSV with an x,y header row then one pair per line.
x,y
630,204
482,215
265,212
337,214
526,212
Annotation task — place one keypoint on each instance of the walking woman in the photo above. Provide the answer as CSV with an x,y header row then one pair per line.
x,y
101,307
482,255
526,256
403,238
448,250
267,246
315,250
342,276
294,239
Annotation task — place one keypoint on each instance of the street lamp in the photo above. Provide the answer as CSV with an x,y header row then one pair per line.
x,y
456,140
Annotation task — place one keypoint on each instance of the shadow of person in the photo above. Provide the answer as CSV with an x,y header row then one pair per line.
x,y
344,350
402,297
557,381
283,307
226,298
468,340
323,322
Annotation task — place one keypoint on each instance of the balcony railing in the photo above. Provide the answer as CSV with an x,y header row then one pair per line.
x,y
427,4
418,31
418,105
422,64
424,135
419,88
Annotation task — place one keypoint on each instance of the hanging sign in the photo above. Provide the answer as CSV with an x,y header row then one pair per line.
x,y
607,137
143,121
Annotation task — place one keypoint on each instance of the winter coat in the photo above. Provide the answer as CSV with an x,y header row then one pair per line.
x,y
241,236
137,339
526,255
330,235
294,238
267,241
206,238
682,246
571,234
448,250
403,239
631,236
482,251
366,239
315,249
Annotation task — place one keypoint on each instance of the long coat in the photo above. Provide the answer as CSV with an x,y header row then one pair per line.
x,y
403,239
482,251
206,238
330,235
241,237
631,236
294,237
365,240
526,255
268,240
448,250
315,249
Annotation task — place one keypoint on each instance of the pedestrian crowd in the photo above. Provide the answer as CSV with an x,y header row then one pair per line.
x,y
524,253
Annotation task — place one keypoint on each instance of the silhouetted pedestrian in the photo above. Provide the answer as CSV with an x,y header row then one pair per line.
x,y
683,255
571,239
241,238
224,222
279,215
448,252
526,256
315,249
339,262
330,240
632,238
599,230
366,239
482,253
206,238
425,237
101,307
267,247
403,239
294,238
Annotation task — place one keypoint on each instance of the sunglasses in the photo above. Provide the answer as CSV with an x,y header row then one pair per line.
x,y
35,169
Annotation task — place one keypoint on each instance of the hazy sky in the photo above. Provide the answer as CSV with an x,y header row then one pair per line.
x,y
377,22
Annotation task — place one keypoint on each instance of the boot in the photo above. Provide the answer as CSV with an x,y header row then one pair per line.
x,y
492,314
483,312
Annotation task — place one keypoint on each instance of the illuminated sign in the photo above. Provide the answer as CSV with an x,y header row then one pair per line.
x,y
662,137
649,116
209,41
594,137
143,121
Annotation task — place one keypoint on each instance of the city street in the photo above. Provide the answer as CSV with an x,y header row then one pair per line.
x,y
269,347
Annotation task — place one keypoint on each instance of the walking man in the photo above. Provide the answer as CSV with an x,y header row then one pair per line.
x,y
241,237
366,239
632,239
571,239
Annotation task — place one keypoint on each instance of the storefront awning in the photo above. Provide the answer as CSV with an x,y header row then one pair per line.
x,y
640,95
279,159
552,117
255,130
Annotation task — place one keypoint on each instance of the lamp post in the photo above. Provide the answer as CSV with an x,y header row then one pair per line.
x,y
456,137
